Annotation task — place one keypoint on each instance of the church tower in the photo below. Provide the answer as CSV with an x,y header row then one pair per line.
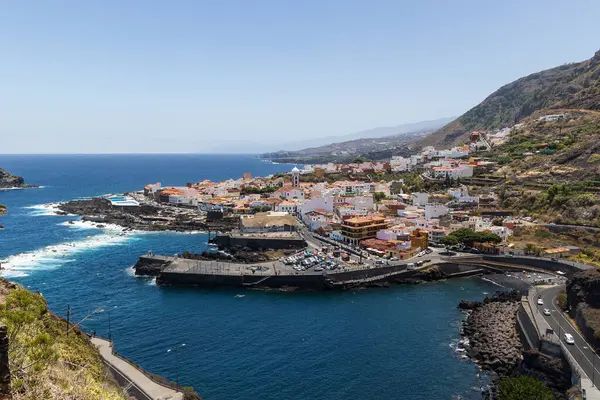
x,y
295,177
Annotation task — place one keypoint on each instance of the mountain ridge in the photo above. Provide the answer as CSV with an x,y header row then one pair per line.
x,y
568,86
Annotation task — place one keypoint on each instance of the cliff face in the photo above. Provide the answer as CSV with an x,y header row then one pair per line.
x,y
583,299
8,180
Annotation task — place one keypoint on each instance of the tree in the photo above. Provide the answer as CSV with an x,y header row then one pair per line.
x,y
378,196
449,240
523,387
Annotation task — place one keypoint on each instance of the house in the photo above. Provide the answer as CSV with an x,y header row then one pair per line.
x,y
420,199
435,210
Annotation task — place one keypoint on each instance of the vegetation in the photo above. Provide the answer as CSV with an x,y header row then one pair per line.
x,y
378,196
260,209
468,236
523,387
45,361
561,299
257,190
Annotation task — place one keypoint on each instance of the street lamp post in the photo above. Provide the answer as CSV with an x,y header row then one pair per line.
x,y
176,351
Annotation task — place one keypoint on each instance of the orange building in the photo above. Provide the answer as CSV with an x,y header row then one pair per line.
x,y
358,228
419,238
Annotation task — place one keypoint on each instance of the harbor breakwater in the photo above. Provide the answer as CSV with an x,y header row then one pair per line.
x,y
273,275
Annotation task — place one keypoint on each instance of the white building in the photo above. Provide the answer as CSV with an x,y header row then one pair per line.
x,y
321,203
400,164
460,171
289,193
420,199
501,231
435,210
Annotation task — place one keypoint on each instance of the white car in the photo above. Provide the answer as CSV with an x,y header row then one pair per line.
x,y
540,301
546,311
569,338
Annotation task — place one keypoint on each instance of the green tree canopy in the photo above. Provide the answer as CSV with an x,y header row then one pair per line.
x,y
378,196
468,236
449,240
523,387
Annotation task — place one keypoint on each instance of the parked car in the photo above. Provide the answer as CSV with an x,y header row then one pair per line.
x,y
569,338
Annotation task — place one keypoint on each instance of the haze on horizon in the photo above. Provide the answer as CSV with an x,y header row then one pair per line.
x,y
234,75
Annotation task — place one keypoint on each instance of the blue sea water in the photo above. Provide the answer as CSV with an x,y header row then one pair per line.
x,y
370,344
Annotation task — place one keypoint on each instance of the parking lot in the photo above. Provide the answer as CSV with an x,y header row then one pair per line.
x,y
325,260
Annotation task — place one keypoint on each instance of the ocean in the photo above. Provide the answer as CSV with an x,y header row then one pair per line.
x,y
396,343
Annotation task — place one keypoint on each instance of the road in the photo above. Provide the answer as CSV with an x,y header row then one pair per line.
x,y
581,350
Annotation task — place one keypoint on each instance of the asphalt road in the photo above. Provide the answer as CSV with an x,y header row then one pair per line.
x,y
581,350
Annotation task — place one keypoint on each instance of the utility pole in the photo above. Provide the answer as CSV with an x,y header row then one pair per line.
x,y
68,317
176,351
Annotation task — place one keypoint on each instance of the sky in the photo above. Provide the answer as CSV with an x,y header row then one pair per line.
x,y
241,75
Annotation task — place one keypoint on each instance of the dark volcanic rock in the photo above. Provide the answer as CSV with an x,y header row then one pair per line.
x,y
145,217
584,287
149,267
8,180
555,372
492,332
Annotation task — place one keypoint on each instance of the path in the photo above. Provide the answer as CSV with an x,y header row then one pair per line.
x,y
147,388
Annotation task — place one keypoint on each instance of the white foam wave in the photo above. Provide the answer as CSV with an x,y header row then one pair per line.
x,y
54,256
21,188
152,282
44,209
80,224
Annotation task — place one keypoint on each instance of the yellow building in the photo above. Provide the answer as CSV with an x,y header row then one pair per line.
x,y
419,239
358,228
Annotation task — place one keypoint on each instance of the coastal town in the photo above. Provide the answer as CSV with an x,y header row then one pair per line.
x,y
393,209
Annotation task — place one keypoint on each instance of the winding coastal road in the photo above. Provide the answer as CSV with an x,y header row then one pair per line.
x,y
582,351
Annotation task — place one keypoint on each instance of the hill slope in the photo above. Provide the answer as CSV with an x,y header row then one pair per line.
x,y
573,86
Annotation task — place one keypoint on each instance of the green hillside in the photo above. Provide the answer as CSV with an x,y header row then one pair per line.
x,y
572,86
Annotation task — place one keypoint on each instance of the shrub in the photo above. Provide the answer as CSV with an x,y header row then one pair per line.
x,y
523,388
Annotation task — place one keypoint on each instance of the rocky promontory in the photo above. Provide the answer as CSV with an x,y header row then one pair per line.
x,y
146,217
10,181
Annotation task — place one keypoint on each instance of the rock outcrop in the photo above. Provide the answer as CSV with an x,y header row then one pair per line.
x,y
8,180
149,266
583,302
146,217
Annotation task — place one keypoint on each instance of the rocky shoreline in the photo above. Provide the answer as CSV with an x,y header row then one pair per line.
x,y
490,337
146,217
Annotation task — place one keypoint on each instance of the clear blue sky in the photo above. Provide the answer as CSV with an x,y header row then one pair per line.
x,y
190,76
